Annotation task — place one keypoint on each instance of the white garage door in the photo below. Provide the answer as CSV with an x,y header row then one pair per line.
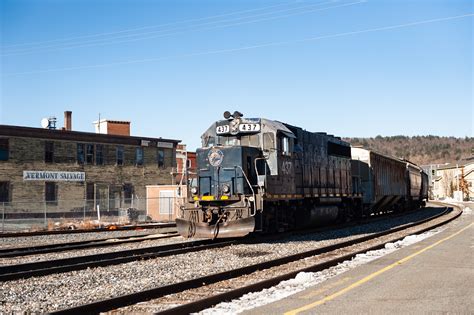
x,y
166,201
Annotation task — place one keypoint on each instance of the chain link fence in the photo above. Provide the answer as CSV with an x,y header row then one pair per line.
x,y
87,213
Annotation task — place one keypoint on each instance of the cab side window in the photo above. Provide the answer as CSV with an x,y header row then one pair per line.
x,y
285,145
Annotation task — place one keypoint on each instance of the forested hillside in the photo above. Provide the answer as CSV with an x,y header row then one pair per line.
x,y
420,149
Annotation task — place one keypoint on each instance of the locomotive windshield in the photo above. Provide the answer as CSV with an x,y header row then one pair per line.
x,y
231,140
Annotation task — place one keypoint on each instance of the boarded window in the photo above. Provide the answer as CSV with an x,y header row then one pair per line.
x,y
49,152
119,155
90,191
4,191
4,149
51,192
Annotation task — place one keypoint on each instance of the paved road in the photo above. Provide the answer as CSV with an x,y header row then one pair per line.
x,y
434,276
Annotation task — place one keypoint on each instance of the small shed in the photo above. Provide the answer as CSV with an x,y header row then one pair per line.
x,y
163,201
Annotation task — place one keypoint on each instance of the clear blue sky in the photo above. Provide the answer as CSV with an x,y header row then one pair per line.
x,y
349,68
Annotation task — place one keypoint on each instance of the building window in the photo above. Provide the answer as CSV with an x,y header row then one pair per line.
x,y
188,164
80,153
4,149
89,154
139,156
161,158
119,155
4,191
49,152
51,192
127,192
99,154
90,191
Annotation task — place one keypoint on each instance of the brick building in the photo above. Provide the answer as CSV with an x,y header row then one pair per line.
x,y
66,171
164,201
184,158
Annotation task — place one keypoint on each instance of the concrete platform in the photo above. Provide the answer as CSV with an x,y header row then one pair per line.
x,y
433,276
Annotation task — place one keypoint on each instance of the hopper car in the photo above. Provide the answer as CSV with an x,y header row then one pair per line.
x,y
262,175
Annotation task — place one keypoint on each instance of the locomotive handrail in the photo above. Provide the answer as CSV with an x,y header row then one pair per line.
x,y
256,169
251,188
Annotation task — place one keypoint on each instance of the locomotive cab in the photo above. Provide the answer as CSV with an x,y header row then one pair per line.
x,y
231,172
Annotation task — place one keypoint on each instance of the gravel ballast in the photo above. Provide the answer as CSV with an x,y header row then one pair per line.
x,y
37,240
53,292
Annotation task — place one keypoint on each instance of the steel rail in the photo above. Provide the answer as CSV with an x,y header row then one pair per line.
x,y
208,302
47,267
133,298
94,230
60,247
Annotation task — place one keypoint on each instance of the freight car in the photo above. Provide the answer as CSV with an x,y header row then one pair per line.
x,y
387,183
262,175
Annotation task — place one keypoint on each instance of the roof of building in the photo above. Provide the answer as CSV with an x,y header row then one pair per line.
x,y
125,122
450,165
66,135
456,164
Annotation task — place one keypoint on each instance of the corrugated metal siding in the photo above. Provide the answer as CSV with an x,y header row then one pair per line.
x,y
389,176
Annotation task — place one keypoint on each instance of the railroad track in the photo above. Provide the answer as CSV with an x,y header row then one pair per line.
x,y
335,253
47,267
63,265
60,247
94,230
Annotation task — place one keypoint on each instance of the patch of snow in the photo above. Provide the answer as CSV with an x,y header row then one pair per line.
x,y
304,280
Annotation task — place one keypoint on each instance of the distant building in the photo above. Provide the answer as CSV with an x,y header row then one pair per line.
x,y
164,201
447,179
64,171
185,165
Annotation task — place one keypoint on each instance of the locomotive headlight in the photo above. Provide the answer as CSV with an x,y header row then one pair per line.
x,y
194,190
225,189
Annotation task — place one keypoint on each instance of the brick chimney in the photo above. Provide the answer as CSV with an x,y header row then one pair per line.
x,y
112,127
68,120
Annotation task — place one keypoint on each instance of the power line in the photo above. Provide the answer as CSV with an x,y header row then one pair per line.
x,y
152,26
270,44
164,33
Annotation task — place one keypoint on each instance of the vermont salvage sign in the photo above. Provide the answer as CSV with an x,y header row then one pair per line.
x,y
54,176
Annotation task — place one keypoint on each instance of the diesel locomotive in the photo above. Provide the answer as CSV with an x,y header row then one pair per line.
x,y
261,175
